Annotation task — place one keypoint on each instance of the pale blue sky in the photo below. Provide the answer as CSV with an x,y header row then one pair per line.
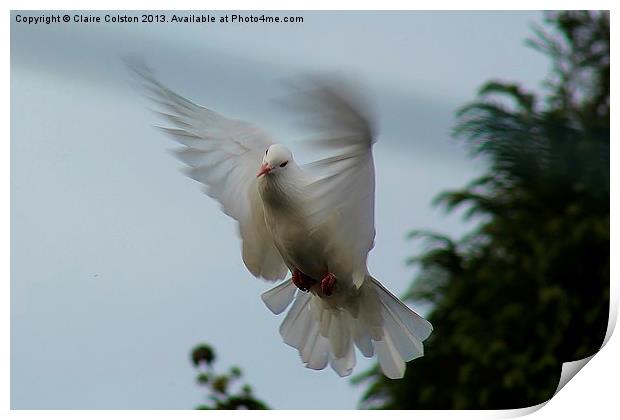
x,y
120,264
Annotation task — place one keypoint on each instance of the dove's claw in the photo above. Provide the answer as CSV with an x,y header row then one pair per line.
x,y
327,284
303,282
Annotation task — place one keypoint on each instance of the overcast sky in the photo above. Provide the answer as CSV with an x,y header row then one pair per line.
x,y
120,265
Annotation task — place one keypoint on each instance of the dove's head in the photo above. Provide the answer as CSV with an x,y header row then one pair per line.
x,y
275,160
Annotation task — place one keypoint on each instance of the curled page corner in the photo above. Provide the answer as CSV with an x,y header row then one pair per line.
x,y
569,370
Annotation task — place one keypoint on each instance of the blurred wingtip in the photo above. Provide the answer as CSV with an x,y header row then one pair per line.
x,y
331,105
136,63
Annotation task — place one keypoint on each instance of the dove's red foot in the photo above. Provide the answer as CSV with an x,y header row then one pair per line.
x,y
302,281
327,284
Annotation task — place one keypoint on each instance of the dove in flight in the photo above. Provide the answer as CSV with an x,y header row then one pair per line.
x,y
315,221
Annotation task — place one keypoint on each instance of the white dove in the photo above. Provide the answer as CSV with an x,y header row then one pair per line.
x,y
316,222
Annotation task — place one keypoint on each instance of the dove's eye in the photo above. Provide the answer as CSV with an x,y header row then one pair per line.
x,y
266,152
283,164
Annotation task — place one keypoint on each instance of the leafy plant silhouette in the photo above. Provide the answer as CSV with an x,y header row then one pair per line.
x,y
219,386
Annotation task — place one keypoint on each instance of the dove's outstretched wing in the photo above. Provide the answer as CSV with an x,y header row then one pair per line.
x,y
343,193
225,155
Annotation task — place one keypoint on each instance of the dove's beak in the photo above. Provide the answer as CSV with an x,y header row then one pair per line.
x,y
264,169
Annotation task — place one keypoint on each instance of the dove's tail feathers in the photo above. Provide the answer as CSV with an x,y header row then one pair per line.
x,y
403,332
375,321
321,335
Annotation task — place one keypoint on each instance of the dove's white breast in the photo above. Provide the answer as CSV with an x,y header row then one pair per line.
x,y
284,208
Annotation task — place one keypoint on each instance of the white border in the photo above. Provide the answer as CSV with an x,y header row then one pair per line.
x,y
592,392
312,5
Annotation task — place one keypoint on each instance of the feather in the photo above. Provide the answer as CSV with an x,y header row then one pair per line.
x,y
280,297
344,365
392,364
